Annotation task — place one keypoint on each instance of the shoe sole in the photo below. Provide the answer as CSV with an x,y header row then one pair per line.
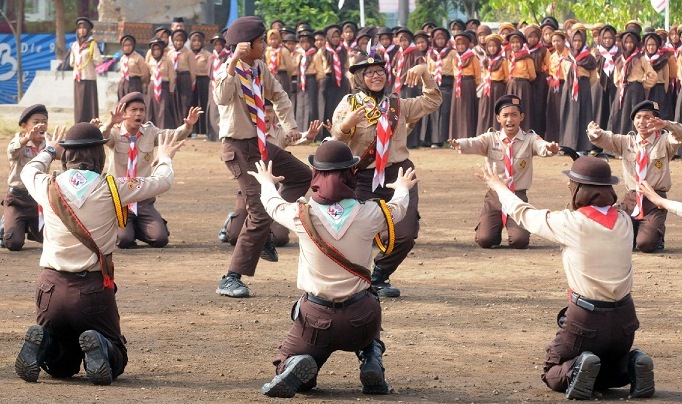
x,y
388,292
372,379
26,365
97,367
228,293
643,386
582,387
286,384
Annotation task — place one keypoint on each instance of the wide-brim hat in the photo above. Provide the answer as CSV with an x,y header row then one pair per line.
x,y
157,41
306,34
591,170
608,27
164,29
333,155
289,38
385,31
363,60
369,31
81,135
635,34
445,32
461,24
197,32
646,105
462,34
29,111
346,23
551,21
427,24
404,30
332,27
86,21
506,25
423,34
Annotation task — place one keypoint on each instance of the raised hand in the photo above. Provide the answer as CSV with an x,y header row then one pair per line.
x,y
193,116
58,135
414,75
168,146
405,179
118,115
314,129
455,144
263,174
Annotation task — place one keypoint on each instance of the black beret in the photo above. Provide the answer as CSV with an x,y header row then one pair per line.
x,y
179,32
217,37
179,19
135,96
33,109
196,32
86,21
82,134
516,33
245,29
128,36
506,101
333,155
277,21
646,105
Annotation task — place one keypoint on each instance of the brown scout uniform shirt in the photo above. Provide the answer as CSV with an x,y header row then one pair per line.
x,y
167,71
18,156
88,62
640,70
137,67
202,63
449,64
186,62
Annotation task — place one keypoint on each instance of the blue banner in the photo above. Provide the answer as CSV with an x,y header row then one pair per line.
x,y
37,50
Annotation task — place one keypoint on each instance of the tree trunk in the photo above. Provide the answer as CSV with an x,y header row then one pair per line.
x,y
60,30
17,38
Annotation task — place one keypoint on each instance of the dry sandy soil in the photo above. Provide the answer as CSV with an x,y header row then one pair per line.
x,y
470,327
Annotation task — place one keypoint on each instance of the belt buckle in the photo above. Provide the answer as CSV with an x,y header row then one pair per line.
x,y
585,304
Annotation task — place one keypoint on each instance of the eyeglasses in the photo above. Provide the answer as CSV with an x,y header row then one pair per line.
x,y
380,73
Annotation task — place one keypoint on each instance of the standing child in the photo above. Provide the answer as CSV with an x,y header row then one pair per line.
x,y
134,70
219,56
495,75
306,93
538,86
331,64
464,109
85,56
160,94
408,57
605,90
184,66
441,62
202,59
279,59
521,73
556,86
664,64
163,33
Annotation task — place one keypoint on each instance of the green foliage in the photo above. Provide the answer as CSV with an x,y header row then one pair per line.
x,y
428,10
318,13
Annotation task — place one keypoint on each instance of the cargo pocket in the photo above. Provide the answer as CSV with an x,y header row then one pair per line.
x,y
363,328
316,331
43,295
580,337
94,300
630,328
231,163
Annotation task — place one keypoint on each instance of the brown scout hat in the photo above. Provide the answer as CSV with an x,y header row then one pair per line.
x,y
82,134
244,29
591,170
508,101
135,96
333,155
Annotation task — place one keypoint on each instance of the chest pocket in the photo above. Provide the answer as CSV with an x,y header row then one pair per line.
x,y
496,156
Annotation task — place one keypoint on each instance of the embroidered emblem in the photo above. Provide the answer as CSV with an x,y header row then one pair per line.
x,y
335,211
77,180
659,164
28,152
523,164
147,157
131,183
370,60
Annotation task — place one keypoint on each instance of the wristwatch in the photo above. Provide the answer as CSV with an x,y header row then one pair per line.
x,y
52,151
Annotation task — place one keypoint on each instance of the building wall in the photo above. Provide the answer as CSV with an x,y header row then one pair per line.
x,y
152,11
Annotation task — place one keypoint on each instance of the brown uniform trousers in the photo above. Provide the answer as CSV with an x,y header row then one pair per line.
x,y
68,304
489,229
407,230
241,156
318,331
147,226
280,233
606,332
21,217
649,231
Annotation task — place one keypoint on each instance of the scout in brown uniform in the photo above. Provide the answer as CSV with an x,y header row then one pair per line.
x,y
337,293
556,87
422,130
85,56
278,59
539,86
441,63
591,350
160,94
408,57
132,142
481,33
307,91
605,90
664,64
512,149
494,75
134,70
162,33
375,127
521,72
349,30
184,65
467,70
78,321
202,59
388,50
219,56
21,212
242,131
646,155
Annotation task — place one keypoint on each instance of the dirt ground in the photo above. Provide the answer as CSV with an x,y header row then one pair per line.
x,y
471,324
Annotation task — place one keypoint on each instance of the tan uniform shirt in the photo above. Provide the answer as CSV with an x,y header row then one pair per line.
x,y
137,67
663,76
18,156
277,136
501,74
167,71
119,143
597,261
235,121
186,62
324,66
317,273
640,70
555,62
491,145
285,60
567,69
202,63
472,69
61,249
660,151
523,69
88,60
411,109
448,63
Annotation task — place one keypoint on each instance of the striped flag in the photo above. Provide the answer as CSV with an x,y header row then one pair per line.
x,y
659,5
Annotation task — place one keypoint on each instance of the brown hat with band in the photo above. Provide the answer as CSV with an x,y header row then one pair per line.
x,y
333,155
82,134
591,170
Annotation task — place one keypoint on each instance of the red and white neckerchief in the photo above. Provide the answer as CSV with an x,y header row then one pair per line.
x,y
608,55
574,62
157,78
386,54
273,61
336,60
515,56
131,171
556,80
303,66
460,66
402,55
349,47
439,55
250,80
624,73
509,167
606,216
488,76
641,168
78,58
176,55
535,48
384,133
124,68
217,62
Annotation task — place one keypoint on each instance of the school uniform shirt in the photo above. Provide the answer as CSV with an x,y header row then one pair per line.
x,y
411,110
18,156
525,146
660,150
597,260
235,121
119,143
555,63
472,69
285,60
639,70
324,66
501,74
566,68
88,194
186,62
664,75
137,67
310,66
90,57
448,61
202,63
349,226
168,73
148,55
524,69
277,136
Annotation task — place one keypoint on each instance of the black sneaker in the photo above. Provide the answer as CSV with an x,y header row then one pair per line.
x,y
299,370
384,289
96,349
584,375
232,287
31,355
269,252
222,234
641,370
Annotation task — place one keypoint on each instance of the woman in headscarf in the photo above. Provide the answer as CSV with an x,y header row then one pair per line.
x,y
85,56
494,75
664,64
441,62
464,109
539,86
605,90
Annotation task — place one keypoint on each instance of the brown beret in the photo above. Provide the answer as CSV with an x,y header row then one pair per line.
x,y
135,96
245,29
33,109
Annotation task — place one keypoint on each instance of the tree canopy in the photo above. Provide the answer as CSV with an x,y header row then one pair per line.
x,y
318,13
